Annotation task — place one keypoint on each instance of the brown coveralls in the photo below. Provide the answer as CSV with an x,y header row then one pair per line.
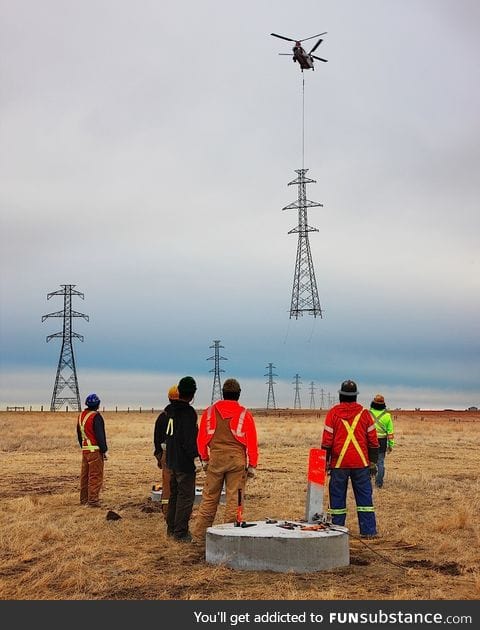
x,y
227,464
165,482
91,477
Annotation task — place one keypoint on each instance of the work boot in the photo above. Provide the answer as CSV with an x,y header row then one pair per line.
x,y
186,538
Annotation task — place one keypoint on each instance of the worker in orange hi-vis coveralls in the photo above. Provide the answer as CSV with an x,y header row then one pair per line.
x,y
228,448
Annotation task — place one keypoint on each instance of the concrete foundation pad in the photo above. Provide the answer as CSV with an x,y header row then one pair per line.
x,y
268,547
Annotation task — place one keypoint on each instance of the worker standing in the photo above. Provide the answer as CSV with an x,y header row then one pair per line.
x,y
228,448
181,450
350,440
160,452
93,442
384,426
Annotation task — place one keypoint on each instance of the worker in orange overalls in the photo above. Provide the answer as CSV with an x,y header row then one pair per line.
x,y
228,448
160,450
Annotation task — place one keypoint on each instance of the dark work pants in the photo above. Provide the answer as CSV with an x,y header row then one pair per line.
x,y
362,489
180,503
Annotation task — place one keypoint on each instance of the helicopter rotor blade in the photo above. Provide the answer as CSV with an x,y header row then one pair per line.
x,y
319,58
312,37
286,54
289,39
316,46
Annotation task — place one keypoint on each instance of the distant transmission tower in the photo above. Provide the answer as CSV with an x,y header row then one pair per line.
x,y
66,372
217,386
271,395
312,395
297,383
322,398
304,293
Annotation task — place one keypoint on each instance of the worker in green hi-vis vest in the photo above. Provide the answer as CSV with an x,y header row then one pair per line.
x,y
384,426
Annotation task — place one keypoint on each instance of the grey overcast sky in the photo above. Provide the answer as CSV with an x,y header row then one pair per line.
x,y
145,152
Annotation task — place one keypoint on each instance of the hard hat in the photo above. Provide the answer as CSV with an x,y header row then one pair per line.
x,y
348,388
173,392
92,401
231,385
379,399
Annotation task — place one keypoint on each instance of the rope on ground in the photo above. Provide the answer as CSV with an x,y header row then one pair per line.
x,y
395,564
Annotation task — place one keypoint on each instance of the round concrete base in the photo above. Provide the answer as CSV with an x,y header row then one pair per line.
x,y
268,547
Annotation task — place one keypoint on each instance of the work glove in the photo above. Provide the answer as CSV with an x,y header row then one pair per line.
x,y
389,449
250,472
205,465
372,469
104,455
198,465
159,460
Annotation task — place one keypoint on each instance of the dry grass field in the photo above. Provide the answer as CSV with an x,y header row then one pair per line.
x,y
428,515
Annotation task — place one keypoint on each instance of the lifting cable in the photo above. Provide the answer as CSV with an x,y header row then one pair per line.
x,y
303,121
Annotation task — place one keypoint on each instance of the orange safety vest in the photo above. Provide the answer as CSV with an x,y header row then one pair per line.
x,y
242,426
349,432
85,423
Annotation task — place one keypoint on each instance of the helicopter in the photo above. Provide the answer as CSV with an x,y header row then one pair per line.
x,y
299,54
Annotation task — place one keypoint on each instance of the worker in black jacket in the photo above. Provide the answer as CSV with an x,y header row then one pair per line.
x,y
181,448
160,452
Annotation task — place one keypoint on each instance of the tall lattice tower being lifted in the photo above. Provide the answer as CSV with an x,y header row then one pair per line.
x,y
305,292
66,378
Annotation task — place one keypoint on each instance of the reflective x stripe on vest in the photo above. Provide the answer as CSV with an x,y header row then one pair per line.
x,y
169,430
379,426
88,446
351,438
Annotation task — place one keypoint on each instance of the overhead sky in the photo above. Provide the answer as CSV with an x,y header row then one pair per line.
x,y
145,152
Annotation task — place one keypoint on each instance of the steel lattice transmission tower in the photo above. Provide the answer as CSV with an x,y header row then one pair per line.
x,y
217,386
297,383
271,394
322,398
66,371
304,293
312,395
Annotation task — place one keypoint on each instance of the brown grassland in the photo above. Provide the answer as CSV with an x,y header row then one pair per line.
x,y
428,515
